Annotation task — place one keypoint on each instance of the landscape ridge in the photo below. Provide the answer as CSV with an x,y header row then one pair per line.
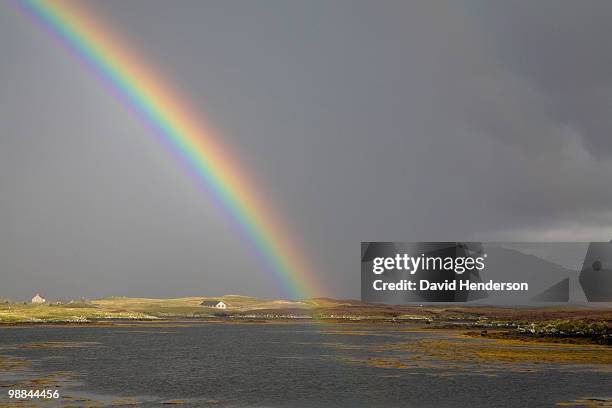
x,y
586,322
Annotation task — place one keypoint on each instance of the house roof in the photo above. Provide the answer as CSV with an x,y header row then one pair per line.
x,y
210,303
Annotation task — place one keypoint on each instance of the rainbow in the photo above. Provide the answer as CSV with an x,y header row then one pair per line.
x,y
197,147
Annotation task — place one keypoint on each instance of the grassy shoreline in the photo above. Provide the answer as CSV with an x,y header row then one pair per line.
x,y
566,323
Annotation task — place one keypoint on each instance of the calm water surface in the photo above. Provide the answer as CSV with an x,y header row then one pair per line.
x,y
276,365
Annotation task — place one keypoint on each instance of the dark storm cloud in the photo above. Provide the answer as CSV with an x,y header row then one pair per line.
x,y
561,49
553,105
405,121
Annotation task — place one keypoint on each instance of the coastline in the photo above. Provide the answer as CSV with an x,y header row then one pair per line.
x,y
555,323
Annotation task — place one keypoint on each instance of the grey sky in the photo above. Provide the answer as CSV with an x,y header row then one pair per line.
x,y
364,121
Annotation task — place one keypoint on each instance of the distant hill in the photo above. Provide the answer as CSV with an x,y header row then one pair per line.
x,y
510,265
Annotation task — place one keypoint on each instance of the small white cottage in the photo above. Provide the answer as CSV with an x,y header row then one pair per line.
x,y
217,304
38,300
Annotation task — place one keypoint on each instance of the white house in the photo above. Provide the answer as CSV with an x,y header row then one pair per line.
x,y
38,300
217,304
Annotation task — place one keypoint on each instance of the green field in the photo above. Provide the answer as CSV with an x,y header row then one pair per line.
x,y
116,308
